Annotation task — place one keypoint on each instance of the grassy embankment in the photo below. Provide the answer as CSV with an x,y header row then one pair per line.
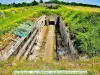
x,y
84,26
12,20
91,65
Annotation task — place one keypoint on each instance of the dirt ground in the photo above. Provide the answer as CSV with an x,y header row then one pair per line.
x,y
49,47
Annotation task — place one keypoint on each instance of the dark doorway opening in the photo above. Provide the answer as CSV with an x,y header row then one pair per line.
x,y
51,23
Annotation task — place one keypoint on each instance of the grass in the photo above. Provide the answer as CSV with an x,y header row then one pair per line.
x,y
91,65
84,27
84,9
82,24
10,21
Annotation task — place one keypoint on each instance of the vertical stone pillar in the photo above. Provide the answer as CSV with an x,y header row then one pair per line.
x,y
47,20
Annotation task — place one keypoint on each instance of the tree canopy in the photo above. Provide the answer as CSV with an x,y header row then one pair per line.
x,y
41,1
55,1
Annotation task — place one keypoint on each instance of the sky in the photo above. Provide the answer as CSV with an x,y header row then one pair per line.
x,y
94,2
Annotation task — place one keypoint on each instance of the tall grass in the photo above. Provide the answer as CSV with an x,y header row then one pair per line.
x,y
91,66
84,9
85,27
11,20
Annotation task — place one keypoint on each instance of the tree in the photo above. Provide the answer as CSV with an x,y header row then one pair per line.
x,y
34,3
54,1
0,4
41,1
13,4
24,4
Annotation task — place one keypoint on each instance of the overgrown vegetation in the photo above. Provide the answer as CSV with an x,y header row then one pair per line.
x,y
85,29
11,20
92,66
78,4
72,3
83,26
84,9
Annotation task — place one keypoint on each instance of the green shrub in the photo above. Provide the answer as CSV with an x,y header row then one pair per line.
x,y
85,27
